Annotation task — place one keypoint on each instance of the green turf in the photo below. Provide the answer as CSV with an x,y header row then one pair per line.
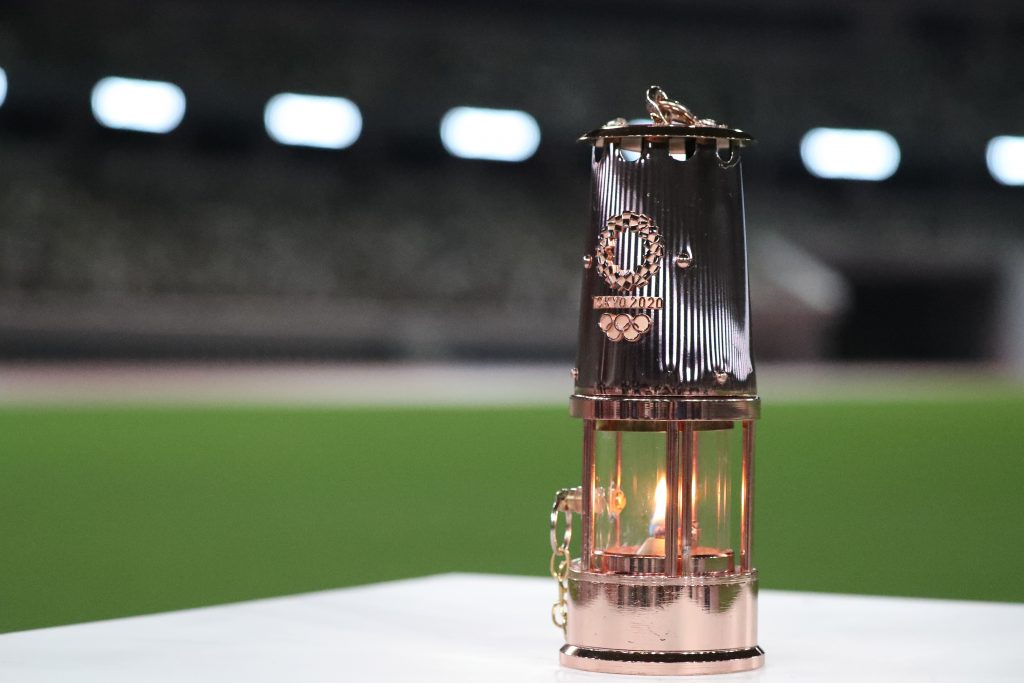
x,y
107,512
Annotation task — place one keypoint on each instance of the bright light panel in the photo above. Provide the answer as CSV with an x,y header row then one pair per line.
x,y
134,104
3,86
312,120
849,154
494,134
1004,156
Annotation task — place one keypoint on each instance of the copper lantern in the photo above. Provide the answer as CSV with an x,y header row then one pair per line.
x,y
664,384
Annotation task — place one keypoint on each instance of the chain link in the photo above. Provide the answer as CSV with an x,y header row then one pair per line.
x,y
561,558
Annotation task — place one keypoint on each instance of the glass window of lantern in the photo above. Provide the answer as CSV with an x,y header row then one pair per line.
x,y
628,467
715,495
631,494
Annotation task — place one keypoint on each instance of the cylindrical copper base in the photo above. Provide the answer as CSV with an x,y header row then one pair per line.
x,y
657,624
661,663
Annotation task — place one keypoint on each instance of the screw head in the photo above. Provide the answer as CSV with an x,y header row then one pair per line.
x,y
587,261
721,377
684,261
575,374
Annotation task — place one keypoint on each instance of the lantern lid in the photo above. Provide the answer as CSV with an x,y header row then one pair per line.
x,y
669,119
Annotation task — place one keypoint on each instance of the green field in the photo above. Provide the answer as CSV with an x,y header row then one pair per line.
x,y
106,512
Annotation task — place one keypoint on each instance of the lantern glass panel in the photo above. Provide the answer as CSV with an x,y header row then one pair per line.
x,y
631,493
628,468
715,497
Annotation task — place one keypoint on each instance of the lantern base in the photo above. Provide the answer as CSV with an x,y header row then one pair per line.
x,y
661,625
661,663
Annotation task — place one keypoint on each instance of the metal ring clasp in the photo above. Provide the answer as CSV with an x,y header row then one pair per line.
x,y
560,505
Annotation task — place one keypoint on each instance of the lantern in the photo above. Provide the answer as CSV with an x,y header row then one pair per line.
x,y
665,581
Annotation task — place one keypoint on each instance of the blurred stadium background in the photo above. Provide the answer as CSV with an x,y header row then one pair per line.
x,y
232,367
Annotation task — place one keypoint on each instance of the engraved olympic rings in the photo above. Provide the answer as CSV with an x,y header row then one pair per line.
x,y
624,326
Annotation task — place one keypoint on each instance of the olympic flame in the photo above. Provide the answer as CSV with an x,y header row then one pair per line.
x,y
657,528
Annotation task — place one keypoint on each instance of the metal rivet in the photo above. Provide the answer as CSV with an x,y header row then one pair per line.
x,y
587,261
575,373
684,260
721,377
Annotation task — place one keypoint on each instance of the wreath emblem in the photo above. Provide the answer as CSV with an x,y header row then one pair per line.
x,y
643,226
624,326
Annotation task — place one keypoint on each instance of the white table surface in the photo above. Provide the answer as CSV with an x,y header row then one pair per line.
x,y
470,627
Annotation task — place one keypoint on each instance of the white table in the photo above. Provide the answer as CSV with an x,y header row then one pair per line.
x,y
478,628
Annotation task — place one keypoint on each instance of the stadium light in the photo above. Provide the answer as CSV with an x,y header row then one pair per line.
x,y
1004,157
312,120
139,105
493,134
3,86
848,154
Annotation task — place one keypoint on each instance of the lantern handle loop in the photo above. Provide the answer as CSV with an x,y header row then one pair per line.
x,y
665,111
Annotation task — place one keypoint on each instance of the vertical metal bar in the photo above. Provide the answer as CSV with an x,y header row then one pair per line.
x,y
687,457
747,496
673,483
618,487
587,540
693,482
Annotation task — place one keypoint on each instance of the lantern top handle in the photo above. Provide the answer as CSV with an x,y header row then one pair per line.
x,y
669,119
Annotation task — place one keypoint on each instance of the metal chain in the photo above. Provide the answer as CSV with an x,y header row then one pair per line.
x,y
560,559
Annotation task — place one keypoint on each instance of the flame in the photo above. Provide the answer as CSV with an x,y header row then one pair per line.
x,y
660,503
